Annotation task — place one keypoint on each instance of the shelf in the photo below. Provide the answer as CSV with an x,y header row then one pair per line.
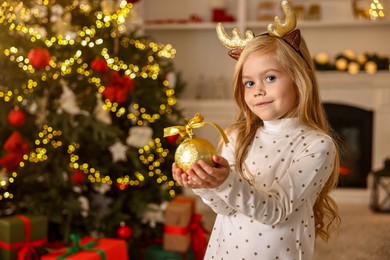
x,y
187,26
256,24
322,24
335,79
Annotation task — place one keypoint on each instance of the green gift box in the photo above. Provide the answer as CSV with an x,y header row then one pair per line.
x,y
21,234
157,252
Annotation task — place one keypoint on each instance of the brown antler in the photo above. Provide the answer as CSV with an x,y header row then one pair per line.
x,y
236,41
286,27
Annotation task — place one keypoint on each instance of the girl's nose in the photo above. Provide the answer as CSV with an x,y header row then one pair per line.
x,y
259,91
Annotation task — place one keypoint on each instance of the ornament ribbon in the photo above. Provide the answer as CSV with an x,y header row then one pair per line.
x,y
77,248
27,247
195,122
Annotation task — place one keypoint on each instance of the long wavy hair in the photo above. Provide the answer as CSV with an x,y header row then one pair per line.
x,y
309,110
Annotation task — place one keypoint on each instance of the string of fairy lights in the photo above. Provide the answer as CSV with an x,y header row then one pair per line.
x,y
151,155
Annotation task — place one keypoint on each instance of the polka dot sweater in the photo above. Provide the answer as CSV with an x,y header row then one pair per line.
x,y
270,215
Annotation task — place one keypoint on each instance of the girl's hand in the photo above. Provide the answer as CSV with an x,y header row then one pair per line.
x,y
179,176
203,175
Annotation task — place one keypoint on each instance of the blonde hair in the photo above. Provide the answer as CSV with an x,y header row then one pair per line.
x,y
309,110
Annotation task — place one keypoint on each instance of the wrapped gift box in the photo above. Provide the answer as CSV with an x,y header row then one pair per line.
x,y
178,216
91,249
21,233
156,252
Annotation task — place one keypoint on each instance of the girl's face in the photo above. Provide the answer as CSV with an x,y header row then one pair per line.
x,y
269,90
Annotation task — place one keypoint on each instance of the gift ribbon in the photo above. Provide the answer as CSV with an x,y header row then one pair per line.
x,y
180,230
27,247
198,237
195,122
176,230
77,248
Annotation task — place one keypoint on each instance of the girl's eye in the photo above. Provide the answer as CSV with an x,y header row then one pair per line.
x,y
270,78
249,84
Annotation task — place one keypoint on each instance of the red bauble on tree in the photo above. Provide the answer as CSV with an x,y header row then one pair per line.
x,y
77,177
118,88
39,58
172,139
121,186
16,118
132,1
99,65
124,231
16,147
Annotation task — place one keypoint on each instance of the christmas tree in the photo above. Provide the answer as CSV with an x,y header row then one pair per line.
x,y
84,99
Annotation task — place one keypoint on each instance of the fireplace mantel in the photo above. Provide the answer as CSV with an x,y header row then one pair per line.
x,y
370,92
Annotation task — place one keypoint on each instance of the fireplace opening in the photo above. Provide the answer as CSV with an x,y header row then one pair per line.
x,y
354,127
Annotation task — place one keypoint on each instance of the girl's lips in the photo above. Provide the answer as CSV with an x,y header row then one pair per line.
x,y
261,104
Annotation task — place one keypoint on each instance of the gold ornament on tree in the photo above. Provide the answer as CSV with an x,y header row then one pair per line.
x,y
193,149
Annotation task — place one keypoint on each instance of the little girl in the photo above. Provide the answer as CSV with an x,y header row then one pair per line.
x,y
270,186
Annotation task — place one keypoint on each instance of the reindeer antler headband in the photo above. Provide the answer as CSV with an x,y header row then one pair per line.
x,y
281,30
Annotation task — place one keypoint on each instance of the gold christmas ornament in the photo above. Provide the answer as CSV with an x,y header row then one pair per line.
x,y
370,67
353,67
193,149
362,59
341,64
350,54
322,58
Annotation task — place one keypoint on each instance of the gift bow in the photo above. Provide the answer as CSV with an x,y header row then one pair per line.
x,y
27,247
195,122
27,250
77,247
198,236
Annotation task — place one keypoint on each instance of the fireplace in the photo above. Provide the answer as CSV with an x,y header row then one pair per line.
x,y
354,126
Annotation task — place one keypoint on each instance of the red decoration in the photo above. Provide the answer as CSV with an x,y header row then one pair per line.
x,y
173,138
16,148
77,177
124,232
99,65
118,88
111,248
16,118
39,58
345,170
194,18
132,1
220,15
121,186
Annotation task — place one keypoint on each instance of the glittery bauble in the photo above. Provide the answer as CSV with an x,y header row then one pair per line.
x,y
192,150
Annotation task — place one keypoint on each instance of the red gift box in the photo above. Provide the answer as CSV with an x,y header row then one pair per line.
x,y
91,249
